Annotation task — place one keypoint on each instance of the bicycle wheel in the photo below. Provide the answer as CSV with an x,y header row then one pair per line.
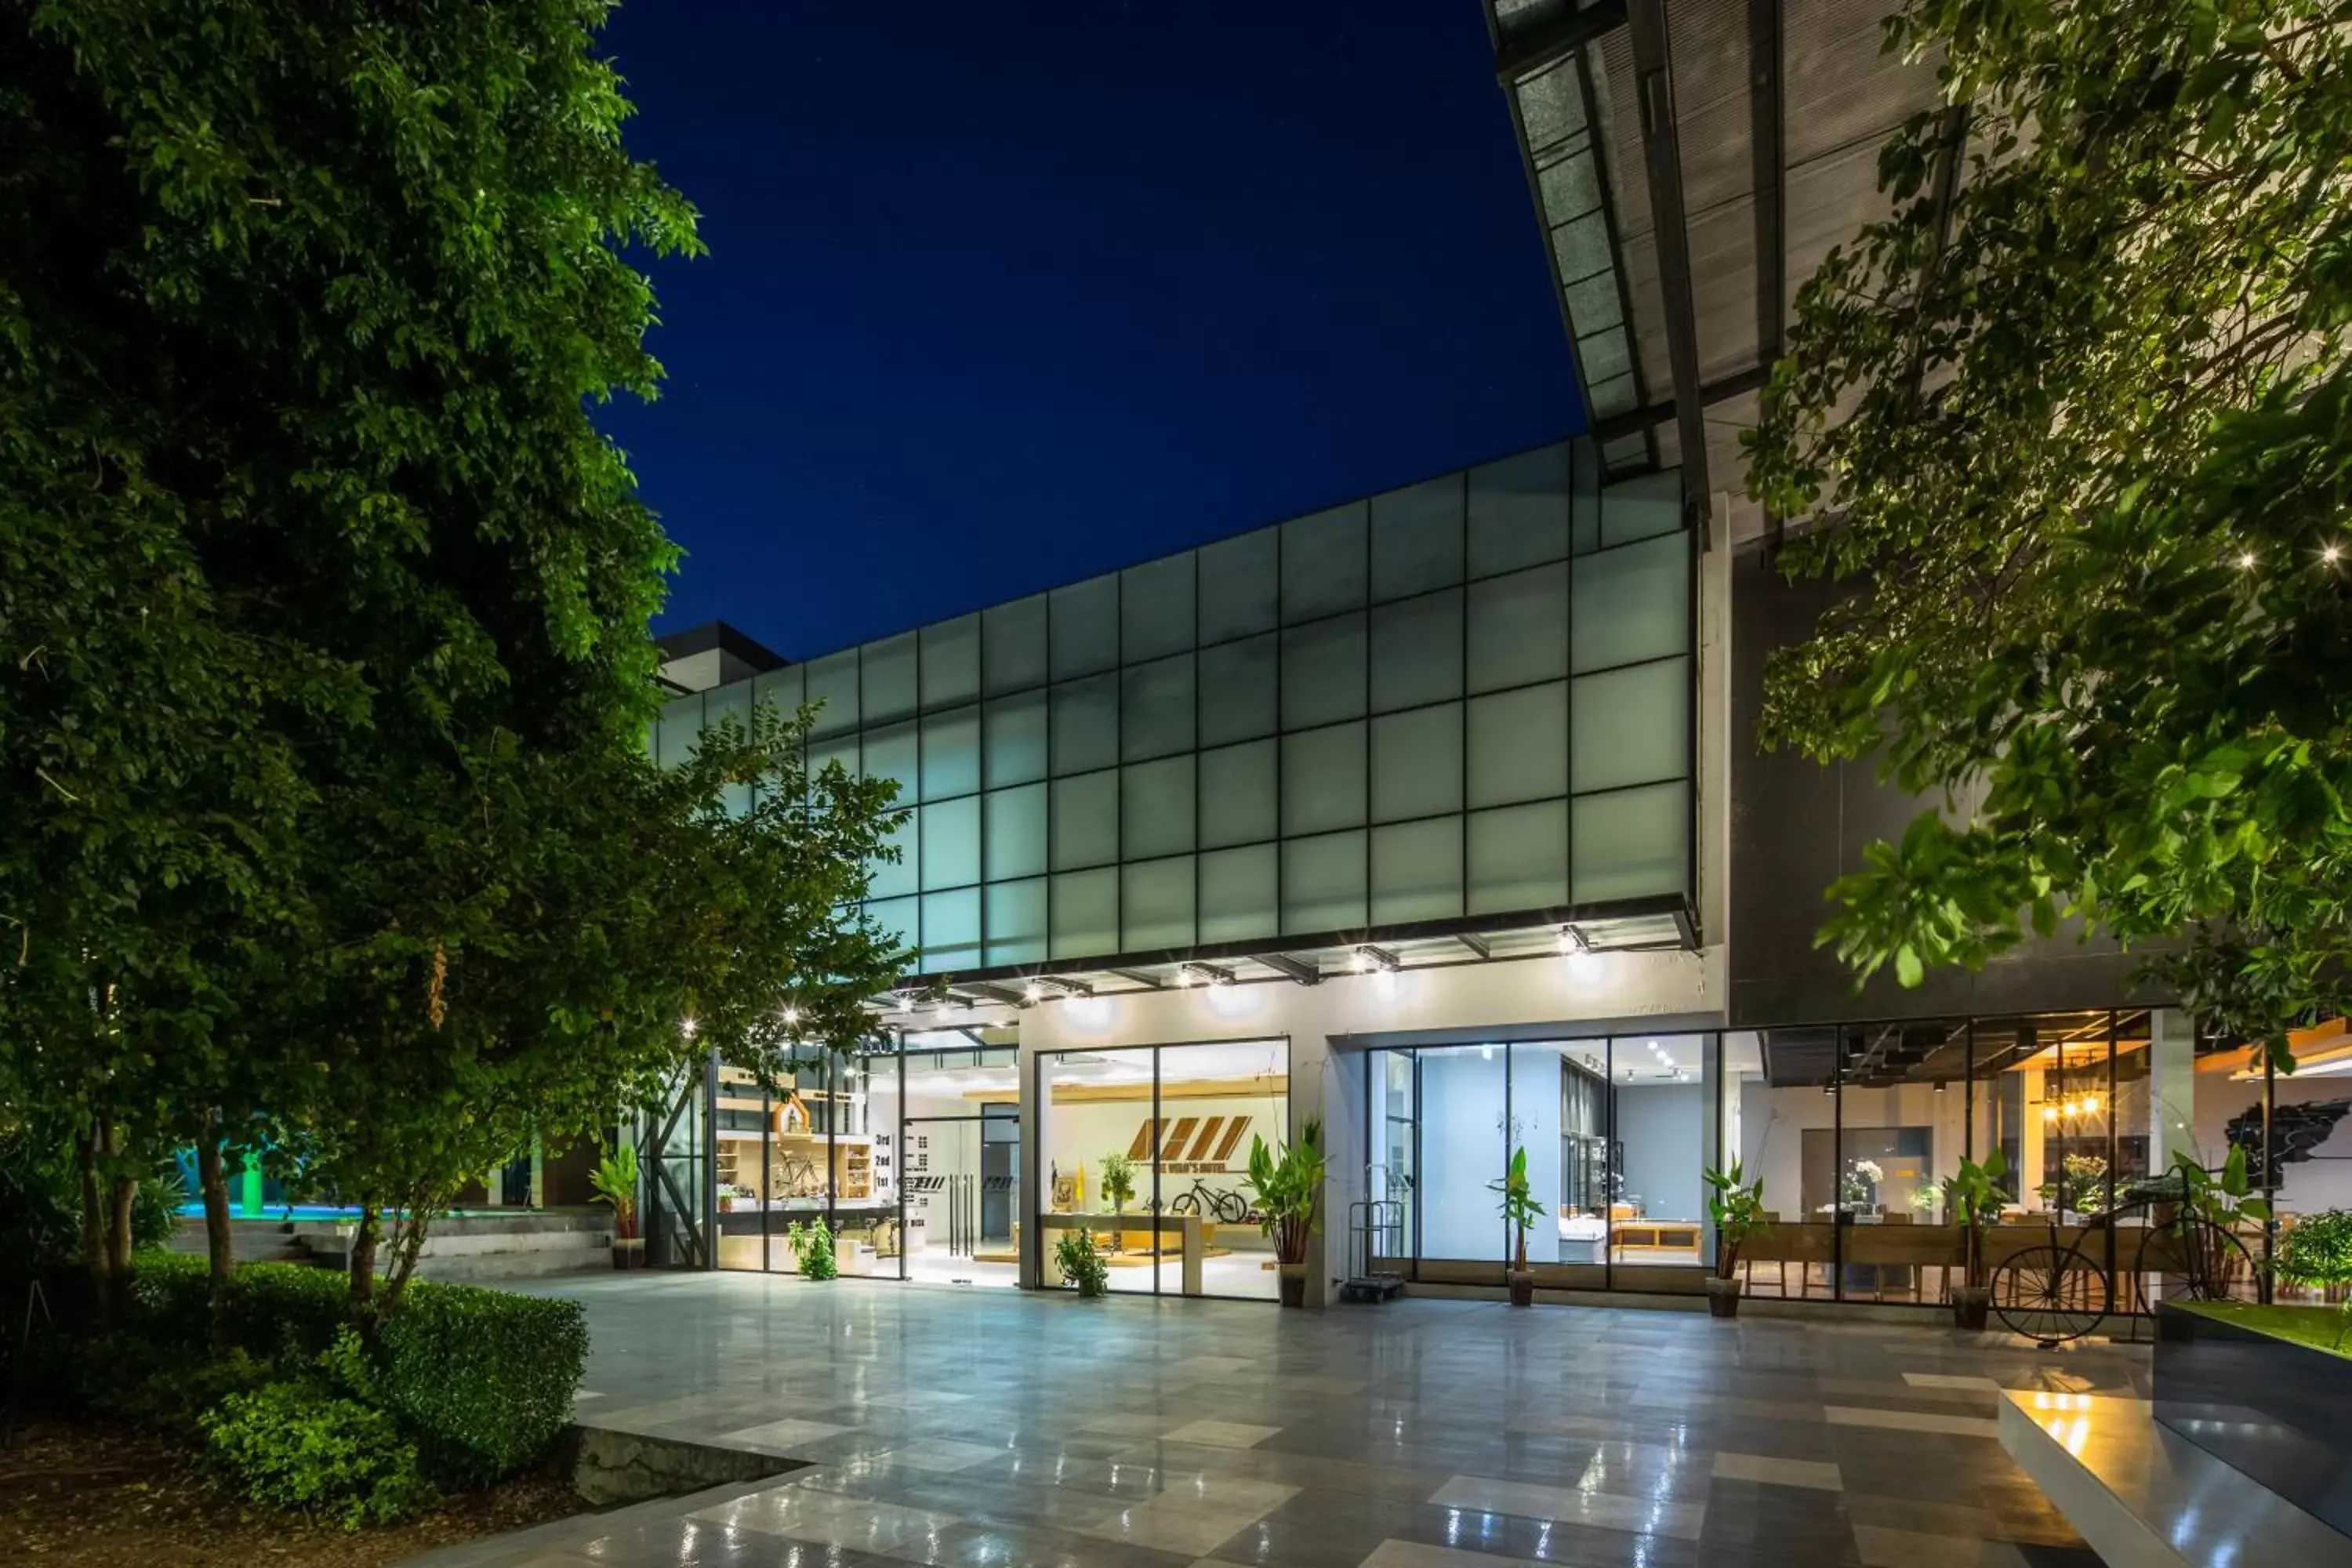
x,y
2192,1260
2050,1294
1231,1208
1186,1203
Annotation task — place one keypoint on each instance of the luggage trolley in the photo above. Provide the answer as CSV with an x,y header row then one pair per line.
x,y
1375,1230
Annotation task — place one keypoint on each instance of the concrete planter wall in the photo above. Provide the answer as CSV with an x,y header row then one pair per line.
x,y
2277,1411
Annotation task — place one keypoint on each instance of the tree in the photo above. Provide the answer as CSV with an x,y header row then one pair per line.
x,y
2080,434
303,523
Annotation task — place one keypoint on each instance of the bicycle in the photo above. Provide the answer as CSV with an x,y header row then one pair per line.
x,y
1225,1207
2055,1292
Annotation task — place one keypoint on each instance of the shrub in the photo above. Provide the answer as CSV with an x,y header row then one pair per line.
x,y
272,1307
300,1445
169,1387
813,1248
483,1378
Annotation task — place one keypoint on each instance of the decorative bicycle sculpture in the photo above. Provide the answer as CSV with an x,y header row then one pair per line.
x,y
2058,1291
1225,1207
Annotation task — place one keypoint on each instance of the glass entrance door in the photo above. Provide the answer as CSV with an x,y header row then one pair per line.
x,y
960,1186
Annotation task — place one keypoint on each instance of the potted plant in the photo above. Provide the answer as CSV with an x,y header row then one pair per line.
x,y
1285,1187
812,1245
1079,1264
1858,1189
1973,1200
1118,1182
1520,1210
1737,1208
616,1180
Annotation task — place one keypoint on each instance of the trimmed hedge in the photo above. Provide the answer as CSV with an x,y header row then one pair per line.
x,y
481,1379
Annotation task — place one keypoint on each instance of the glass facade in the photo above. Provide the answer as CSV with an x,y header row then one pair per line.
x,y
1469,697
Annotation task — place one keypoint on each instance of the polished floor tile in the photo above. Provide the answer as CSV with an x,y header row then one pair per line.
x,y
984,1429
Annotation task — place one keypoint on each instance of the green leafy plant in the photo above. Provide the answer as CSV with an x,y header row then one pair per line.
x,y
1285,1187
2086,1185
2315,1253
1519,1206
614,1180
1737,1208
483,1380
320,1441
812,1245
1973,1199
1081,1263
1115,1176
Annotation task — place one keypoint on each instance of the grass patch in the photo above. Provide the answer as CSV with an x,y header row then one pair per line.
x,y
2321,1328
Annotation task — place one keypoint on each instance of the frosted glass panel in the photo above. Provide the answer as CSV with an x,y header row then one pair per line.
x,y
681,727
1084,820
1323,563
1085,724
951,931
1157,904
1642,508
1086,914
779,689
1237,796
1016,922
1633,842
1417,651
890,754
951,753
1323,779
889,880
951,843
1518,858
1417,538
833,684
1323,883
841,749
1518,744
1016,739
1417,871
1464,1147
1323,672
1518,512
1236,586
1518,628
1237,892
1584,496
1085,627
1013,645
1237,690
1417,763
1157,801
886,681
1156,608
1633,604
951,661
1156,714
897,918
1016,831
1632,726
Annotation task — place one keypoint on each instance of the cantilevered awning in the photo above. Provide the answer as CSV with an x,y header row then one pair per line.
x,y
1692,162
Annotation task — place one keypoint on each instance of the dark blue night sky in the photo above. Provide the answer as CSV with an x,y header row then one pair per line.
x,y
1001,296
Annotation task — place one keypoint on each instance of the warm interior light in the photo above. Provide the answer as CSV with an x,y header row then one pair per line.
x,y
1034,993
2090,1105
2049,1114
2330,554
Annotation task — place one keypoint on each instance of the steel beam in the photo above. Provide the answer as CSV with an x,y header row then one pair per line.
x,y
1564,32
1295,969
1645,21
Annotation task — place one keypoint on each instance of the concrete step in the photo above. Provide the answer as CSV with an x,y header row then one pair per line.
x,y
484,1268
252,1240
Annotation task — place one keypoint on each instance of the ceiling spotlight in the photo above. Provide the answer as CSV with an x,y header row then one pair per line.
x,y
1184,975
791,1014
688,1027
2330,554
2246,560
1033,993
1368,957
1573,941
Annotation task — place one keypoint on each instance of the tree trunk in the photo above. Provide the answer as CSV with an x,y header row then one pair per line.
x,y
93,1224
362,1260
118,1246
212,1178
408,1242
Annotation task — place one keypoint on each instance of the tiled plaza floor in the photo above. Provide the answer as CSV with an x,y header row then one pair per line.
x,y
983,1427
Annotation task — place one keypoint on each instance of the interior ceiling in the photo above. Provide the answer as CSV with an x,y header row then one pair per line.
x,y
1829,96
1938,1051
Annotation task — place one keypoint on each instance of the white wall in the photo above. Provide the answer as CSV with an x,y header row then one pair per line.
x,y
1772,1123
1462,1151
1663,1130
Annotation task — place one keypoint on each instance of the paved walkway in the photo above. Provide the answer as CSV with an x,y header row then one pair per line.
x,y
971,1427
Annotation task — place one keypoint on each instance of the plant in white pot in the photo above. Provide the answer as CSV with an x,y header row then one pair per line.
x,y
1520,1210
1973,1200
1285,1187
1737,1208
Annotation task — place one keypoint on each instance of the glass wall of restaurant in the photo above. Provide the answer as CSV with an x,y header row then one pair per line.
x,y
1854,1131
1145,1147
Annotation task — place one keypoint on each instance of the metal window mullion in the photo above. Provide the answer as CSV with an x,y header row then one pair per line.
x,y
1837,1170
1509,1131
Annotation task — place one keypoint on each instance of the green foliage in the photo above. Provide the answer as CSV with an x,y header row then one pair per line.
x,y
1519,1206
2223,1197
616,1180
166,1386
299,1446
2086,1185
1080,1264
811,1246
484,1379
1973,1199
2083,440
1285,1187
2315,1252
1115,1176
1736,1206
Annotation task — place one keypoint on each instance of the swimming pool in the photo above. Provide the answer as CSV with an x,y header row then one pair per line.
x,y
279,1212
